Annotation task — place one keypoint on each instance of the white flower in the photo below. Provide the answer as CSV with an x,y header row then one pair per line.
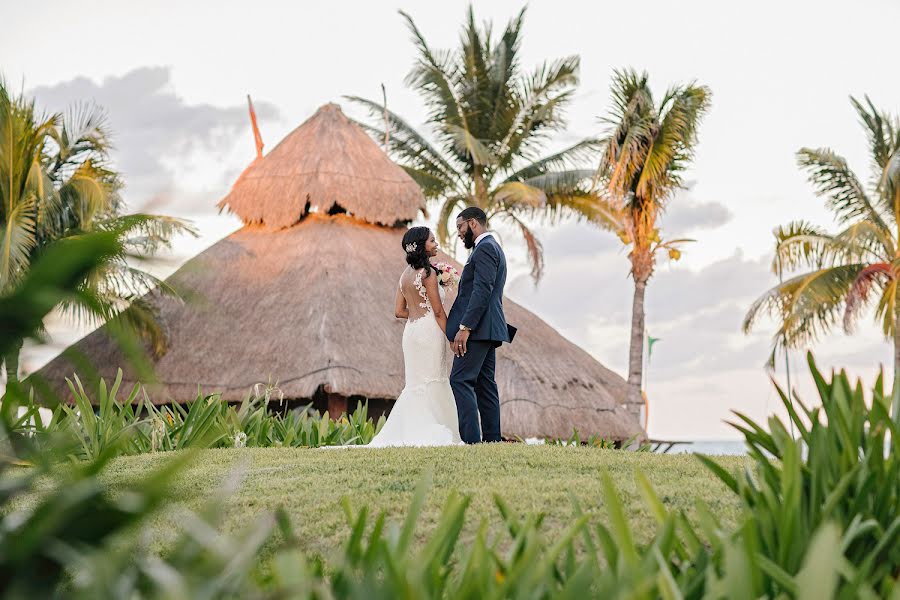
x,y
445,276
240,439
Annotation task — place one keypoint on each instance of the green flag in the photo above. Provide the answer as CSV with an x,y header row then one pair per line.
x,y
650,341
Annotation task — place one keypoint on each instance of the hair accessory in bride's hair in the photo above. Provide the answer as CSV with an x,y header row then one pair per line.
x,y
411,247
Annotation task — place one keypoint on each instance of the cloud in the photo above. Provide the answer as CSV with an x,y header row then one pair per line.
x,y
686,215
175,156
677,291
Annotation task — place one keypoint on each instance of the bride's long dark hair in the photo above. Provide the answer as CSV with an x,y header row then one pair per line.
x,y
414,246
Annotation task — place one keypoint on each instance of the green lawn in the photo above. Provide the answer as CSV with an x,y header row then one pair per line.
x,y
310,483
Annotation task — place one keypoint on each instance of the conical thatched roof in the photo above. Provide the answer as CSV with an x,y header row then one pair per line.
x,y
327,161
311,305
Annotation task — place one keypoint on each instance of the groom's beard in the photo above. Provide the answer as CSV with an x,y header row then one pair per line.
x,y
469,239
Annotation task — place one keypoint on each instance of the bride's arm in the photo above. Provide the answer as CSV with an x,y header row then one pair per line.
x,y
434,297
401,310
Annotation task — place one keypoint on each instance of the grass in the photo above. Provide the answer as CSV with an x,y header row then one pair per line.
x,y
310,483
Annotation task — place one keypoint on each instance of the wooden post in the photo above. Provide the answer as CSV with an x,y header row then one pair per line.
x,y
387,123
257,138
337,405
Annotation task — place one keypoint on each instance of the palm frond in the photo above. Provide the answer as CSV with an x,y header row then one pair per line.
x,y
887,303
16,242
585,206
860,290
83,135
143,235
516,195
631,96
833,180
544,96
468,145
445,215
433,75
574,157
807,306
408,146
561,182
535,249
673,143
503,71
881,130
800,244
142,318
889,184
863,241
531,134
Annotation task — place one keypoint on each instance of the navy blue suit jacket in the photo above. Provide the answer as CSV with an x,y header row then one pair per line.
x,y
479,302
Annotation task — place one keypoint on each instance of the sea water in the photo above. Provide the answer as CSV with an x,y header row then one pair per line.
x,y
710,447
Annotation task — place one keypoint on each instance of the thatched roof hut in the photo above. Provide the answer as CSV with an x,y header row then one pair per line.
x,y
303,295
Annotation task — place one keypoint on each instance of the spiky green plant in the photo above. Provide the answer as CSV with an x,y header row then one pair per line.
x,y
842,469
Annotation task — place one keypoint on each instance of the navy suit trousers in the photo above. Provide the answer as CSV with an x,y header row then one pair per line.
x,y
475,389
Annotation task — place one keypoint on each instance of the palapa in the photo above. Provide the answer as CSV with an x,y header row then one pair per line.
x,y
305,299
328,161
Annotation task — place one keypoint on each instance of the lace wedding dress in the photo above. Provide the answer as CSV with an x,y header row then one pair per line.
x,y
425,412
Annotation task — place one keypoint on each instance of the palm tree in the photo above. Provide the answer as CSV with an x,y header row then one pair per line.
x,y
849,270
55,183
490,120
645,152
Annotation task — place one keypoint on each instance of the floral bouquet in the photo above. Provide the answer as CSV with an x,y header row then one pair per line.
x,y
448,276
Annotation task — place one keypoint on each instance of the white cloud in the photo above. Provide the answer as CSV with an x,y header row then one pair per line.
x,y
166,147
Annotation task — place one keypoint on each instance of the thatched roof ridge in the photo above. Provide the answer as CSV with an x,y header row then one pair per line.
x,y
327,161
306,306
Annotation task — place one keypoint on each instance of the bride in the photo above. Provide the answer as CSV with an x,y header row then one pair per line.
x,y
425,412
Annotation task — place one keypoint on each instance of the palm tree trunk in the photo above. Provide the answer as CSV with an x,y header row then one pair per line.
x,y
634,399
481,195
11,362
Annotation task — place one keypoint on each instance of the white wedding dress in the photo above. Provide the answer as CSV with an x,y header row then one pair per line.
x,y
425,412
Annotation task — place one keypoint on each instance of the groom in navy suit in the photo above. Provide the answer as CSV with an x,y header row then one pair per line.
x,y
476,326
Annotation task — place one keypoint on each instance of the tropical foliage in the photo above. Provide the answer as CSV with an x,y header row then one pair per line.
x,y
850,270
490,121
56,181
820,515
133,425
644,154
814,527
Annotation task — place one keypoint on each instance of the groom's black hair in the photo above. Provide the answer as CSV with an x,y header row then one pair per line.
x,y
473,212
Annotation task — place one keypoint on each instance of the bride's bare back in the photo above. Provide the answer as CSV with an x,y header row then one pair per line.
x,y
421,296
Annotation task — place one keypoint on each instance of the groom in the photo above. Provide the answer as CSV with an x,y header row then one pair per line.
x,y
476,326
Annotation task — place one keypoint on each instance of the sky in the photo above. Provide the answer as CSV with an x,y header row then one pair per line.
x,y
174,77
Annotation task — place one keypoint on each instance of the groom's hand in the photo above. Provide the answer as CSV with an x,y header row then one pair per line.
x,y
459,343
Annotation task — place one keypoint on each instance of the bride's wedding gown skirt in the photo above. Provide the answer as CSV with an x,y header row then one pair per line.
x,y
425,412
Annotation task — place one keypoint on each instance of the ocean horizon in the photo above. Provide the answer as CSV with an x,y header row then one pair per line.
x,y
711,447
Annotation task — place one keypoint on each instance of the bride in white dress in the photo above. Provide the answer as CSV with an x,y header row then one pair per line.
x,y
425,412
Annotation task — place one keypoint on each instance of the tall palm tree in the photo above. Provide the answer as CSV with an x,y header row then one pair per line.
x,y
56,182
490,120
645,151
852,269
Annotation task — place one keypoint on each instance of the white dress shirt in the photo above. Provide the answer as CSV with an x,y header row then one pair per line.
x,y
482,236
